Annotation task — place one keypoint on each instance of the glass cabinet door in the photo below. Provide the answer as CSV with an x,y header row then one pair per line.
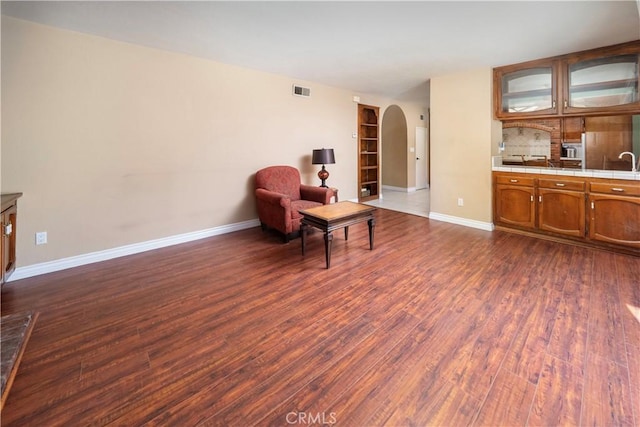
x,y
602,83
528,91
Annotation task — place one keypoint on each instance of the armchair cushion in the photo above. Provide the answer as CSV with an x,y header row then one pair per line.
x,y
280,195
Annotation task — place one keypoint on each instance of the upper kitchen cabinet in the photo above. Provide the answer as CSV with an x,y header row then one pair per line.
x,y
526,90
572,129
597,83
594,82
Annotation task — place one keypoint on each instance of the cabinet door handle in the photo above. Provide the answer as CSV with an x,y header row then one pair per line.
x,y
553,104
559,184
513,180
540,199
8,229
617,190
532,198
566,104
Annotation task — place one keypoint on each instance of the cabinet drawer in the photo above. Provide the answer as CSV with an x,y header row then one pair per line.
x,y
515,180
561,184
616,188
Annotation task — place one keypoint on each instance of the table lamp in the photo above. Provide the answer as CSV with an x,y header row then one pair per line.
x,y
323,156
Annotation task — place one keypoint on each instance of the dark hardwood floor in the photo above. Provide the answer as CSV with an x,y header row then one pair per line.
x,y
438,325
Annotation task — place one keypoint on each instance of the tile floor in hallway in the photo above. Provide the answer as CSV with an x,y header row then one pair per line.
x,y
414,202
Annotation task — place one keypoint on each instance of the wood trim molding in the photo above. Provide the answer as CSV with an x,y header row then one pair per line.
x,y
527,124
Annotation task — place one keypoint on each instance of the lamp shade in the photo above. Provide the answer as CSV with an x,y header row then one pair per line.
x,y
323,156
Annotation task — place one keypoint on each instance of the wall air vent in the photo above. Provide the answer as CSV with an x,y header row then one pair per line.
x,y
301,91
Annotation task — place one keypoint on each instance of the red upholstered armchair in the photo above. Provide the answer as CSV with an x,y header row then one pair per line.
x,y
280,195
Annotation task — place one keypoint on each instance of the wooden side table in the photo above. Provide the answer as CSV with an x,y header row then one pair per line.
x,y
332,217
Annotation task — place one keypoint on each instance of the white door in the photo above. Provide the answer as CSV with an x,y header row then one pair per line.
x,y
422,161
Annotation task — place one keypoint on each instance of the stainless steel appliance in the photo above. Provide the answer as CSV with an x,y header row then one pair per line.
x,y
573,151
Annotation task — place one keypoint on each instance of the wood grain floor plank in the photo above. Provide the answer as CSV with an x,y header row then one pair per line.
x,y
607,399
526,355
470,365
633,359
569,338
606,329
477,365
317,396
291,378
390,375
364,300
508,402
558,397
427,364
448,405
580,268
236,372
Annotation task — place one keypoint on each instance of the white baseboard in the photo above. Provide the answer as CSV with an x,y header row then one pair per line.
x,y
76,261
487,226
400,189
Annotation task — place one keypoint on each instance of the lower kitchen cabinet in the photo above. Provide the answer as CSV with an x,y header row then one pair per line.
x,y
615,213
515,201
561,206
590,211
8,243
562,212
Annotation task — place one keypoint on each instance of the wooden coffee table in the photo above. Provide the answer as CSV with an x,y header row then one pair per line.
x,y
333,216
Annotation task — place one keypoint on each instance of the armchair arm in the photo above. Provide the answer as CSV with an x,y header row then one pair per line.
x,y
273,198
316,194
274,210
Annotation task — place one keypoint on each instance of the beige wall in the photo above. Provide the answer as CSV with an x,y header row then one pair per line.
x,y
114,144
463,138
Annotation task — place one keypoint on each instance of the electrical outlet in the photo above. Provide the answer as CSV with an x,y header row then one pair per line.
x,y
41,238
460,201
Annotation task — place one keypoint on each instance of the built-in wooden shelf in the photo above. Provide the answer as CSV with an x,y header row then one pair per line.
x,y
368,161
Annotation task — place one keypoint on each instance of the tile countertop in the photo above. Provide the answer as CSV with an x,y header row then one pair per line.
x,y
586,173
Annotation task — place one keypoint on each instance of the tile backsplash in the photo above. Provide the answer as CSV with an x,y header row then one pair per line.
x,y
526,142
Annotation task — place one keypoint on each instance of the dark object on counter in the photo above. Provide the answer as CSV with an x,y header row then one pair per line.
x,y
539,161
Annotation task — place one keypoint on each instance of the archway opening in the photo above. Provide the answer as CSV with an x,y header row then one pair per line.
x,y
399,188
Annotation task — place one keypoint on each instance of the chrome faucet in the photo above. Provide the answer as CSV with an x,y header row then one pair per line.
x,y
633,160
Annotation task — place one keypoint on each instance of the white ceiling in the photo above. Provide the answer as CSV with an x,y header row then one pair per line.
x,y
386,48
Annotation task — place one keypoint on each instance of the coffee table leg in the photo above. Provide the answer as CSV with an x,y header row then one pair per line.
x,y
372,225
303,235
328,238
346,233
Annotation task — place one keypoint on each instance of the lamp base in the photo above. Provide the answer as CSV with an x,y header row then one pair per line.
x,y
323,175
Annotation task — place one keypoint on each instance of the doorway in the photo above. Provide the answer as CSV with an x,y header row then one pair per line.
x,y
399,165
